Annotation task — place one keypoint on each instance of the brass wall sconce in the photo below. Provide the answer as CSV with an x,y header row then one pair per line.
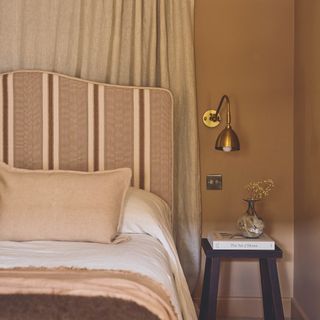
x,y
227,139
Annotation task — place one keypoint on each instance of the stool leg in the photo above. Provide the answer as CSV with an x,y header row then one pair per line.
x,y
208,308
268,309
275,288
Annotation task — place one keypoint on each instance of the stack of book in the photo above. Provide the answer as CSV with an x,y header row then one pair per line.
x,y
220,240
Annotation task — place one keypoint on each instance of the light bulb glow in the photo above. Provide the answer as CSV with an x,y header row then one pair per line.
x,y
226,149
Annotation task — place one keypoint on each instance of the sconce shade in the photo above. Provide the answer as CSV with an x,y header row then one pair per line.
x,y
227,140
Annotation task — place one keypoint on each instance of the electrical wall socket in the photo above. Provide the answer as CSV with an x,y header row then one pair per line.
x,y
214,182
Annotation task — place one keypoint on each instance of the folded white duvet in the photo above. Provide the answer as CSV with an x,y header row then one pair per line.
x,y
141,254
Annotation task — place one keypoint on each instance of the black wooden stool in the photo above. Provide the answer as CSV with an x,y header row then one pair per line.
x,y
272,304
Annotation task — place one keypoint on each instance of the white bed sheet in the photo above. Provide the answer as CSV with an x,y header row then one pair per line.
x,y
141,253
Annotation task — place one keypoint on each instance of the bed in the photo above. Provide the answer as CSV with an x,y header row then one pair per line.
x,y
71,150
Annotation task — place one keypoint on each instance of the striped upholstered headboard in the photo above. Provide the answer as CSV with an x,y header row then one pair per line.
x,y
52,121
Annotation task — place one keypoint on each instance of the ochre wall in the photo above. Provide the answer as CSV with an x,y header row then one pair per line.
x,y
244,48
307,158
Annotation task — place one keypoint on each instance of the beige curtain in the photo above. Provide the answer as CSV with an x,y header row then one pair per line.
x,y
134,42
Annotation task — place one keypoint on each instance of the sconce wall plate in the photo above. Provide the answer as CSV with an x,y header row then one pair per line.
x,y
208,119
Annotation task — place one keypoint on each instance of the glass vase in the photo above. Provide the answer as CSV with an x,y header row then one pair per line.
x,y
250,225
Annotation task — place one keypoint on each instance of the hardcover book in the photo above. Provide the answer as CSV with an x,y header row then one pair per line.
x,y
220,240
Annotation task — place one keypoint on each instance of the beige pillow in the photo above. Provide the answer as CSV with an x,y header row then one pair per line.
x,y
61,205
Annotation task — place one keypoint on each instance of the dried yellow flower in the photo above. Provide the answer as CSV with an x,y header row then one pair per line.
x,y
259,190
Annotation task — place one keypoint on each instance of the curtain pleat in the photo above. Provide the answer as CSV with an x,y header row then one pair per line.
x,y
127,42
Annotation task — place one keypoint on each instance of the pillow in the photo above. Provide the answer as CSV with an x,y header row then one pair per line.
x,y
61,205
144,212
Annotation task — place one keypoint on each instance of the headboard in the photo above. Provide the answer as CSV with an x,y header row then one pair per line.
x,y
52,121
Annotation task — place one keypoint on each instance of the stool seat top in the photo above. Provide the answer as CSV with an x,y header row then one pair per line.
x,y
242,254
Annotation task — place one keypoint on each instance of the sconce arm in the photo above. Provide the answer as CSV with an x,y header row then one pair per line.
x,y
215,117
